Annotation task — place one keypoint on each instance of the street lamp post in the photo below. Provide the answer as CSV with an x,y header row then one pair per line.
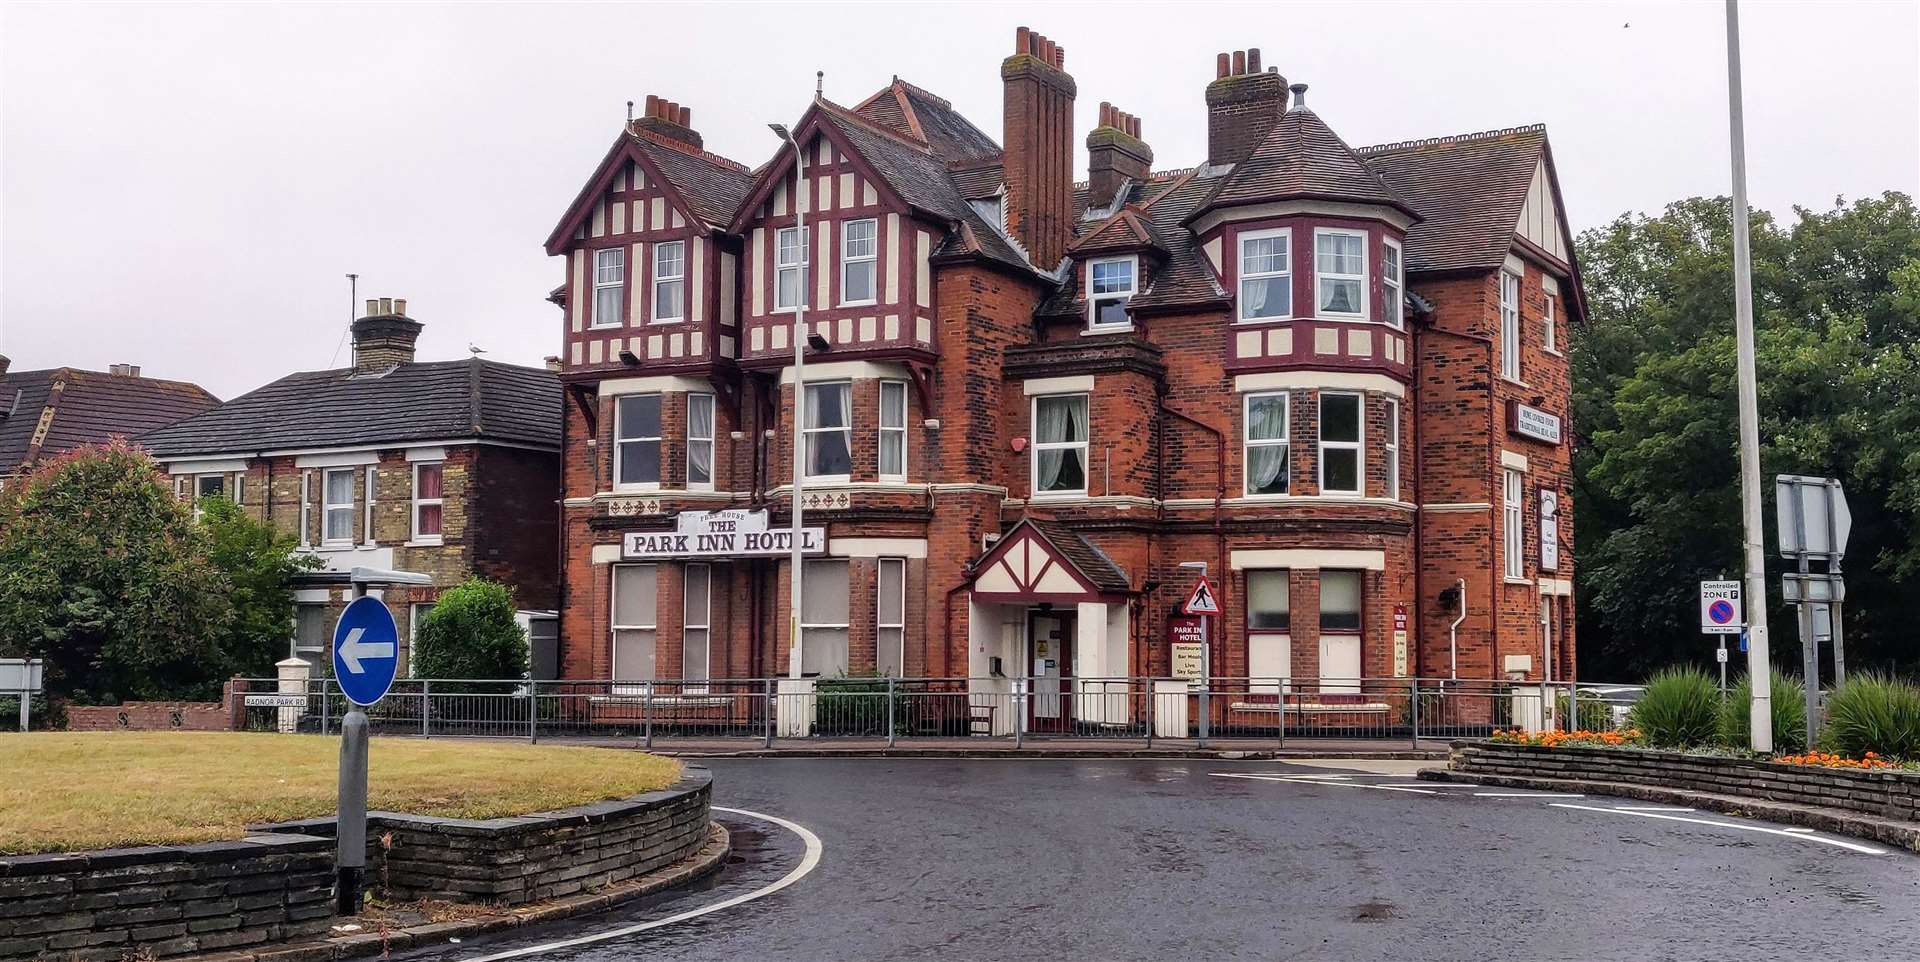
x,y
798,436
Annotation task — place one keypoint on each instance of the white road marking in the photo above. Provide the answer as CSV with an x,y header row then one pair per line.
x,y
1523,795
1298,780
807,864
1784,833
1651,808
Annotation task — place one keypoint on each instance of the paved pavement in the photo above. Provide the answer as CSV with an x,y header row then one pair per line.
x,y
1150,859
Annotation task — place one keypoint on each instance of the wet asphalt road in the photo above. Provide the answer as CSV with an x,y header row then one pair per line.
x,y
1140,859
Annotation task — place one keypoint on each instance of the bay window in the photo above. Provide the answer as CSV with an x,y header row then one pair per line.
x,y
1340,443
890,617
1393,282
859,257
635,602
829,431
1060,444
336,507
1110,284
789,268
823,619
1509,326
609,286
1266,444
893,430
636,444
669,281
1266,275
1340,272
700,441
429,502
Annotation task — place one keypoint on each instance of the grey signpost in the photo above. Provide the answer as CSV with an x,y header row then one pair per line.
x,y
1812,522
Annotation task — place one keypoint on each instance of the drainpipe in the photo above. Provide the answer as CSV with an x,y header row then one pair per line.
x,y
1453,645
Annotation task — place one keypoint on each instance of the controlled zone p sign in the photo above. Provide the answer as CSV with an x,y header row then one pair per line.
x,y
1720,610
366,646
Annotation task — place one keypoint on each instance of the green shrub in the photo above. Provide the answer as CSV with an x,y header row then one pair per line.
x,y
1788,708
1679,709
1595,715
471,633
850,705
1873,713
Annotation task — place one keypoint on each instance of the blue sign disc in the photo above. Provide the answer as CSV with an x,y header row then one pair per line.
x,y
1721,612
366,645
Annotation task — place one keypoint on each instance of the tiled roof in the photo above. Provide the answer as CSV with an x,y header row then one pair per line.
x,y
710,184
91,408
1301,157
930,119
979,182
420,402
1166,200
1092,562
1469,188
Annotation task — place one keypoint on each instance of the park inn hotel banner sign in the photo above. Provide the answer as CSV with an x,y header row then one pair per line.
x,y
719,535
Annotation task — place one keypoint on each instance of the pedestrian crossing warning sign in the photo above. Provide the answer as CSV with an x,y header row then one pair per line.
x,y
1202,601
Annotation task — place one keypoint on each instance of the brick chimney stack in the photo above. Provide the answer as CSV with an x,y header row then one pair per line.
x,y
1115,155
5,362
1038,124
384,337
1242,105
670,120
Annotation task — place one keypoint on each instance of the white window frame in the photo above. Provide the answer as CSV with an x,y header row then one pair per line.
x,y
781,267
841,626
600,284
419,502
1261,682
1510,327
620,444
327,508
1366,287
367,508
687,623
806,434
713,428
880,625
1514,524
871,260
1242,275
630,686
1392,447
1094,300
1248,442
1358,445
883,431
306,509
661,280
198,511
1549,326
1085,446
1393,283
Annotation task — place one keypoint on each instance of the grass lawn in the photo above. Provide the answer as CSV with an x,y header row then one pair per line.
x,y
67,791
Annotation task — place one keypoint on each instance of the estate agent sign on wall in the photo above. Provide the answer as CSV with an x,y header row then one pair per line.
x,y
720,534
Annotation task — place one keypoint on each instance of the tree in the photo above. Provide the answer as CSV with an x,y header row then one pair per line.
x,y
471,633
1837,333
105,575
258,565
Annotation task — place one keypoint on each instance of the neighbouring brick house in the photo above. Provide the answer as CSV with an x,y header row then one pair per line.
x,y
1334,375
43,413
446,468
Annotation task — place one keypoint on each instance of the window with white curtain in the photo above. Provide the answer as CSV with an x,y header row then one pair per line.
x,y
636,444
1393,282
635,603
1509,326
696,634
1266,275
1340,594
337,506
1110,284
829,431
1340,443
609,287
1392,446
789,262
859,254
890,617
1060,444
893,430
669,281
700,441
1340,272
823,619
1513,523
1266,443
1269,629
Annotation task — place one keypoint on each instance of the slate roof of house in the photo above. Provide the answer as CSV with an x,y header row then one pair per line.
x,y
418,402
1085,555
1469,189
1163,201
90,408
712,185
1301,157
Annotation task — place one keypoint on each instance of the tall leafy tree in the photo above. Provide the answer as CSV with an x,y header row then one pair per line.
x,y
257,565
1837,319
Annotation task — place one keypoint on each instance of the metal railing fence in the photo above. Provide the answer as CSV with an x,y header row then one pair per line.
x,y
866,710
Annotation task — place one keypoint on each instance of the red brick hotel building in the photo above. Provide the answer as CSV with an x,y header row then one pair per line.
x,y
1334,375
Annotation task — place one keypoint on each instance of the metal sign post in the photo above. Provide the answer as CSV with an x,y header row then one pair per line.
x,y
24,677
1812,521
365,658
1721,614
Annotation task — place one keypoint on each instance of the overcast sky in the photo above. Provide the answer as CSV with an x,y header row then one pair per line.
x,y
185,187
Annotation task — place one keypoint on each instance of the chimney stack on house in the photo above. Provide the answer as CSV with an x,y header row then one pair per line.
x,y
5,362
670,120
384,337
1242,105
124,370
1037,118
1115,155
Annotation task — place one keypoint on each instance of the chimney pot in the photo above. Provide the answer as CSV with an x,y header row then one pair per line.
x,y
1221,65
1299,96
686,116
1239,62
400,306
653,106
373,306
1060,56
1020,41
1253,59
386,305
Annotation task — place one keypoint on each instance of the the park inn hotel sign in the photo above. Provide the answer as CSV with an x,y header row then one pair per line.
x,y
719,534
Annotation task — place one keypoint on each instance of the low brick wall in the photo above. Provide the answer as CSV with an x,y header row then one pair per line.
x,y
164,899
1887,794
530,858
157,716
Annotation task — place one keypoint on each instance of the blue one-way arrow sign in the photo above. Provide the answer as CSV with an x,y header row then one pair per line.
x,y
366,643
